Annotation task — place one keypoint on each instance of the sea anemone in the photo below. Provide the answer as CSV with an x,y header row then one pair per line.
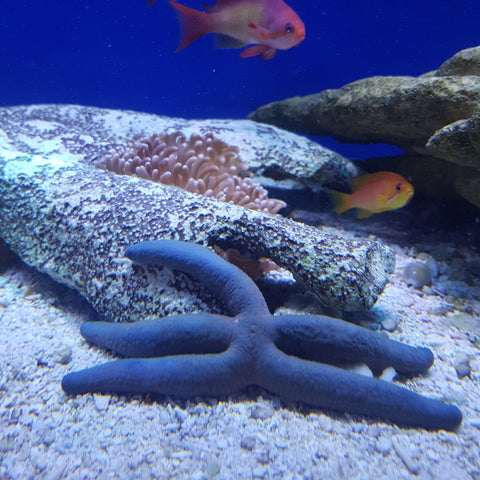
x,y
202,164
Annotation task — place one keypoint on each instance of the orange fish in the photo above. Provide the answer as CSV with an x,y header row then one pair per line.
x,y
265,25
374,193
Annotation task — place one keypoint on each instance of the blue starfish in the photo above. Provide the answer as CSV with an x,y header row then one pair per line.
x,y
293,356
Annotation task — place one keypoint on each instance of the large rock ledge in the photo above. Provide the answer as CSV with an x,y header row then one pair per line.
x,y
73,221
402,111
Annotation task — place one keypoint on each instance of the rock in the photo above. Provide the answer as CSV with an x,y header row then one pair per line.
x,y
464,322
6,255
458,142
89,133
436,114
248,442
101,402
402,447
402,111
468,186
465,62
260,412
73,221
461,364
390,324
63,354
384,446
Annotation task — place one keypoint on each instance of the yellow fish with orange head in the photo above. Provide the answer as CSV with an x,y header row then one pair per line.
x,y
374,193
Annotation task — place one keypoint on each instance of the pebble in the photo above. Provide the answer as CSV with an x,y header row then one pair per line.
x,y
260,412
57,472
400,445
248,442
434,340
63,355
180,414
48,438
213,467
475,422
181,455
101,401
282,443
388,375
389,324
462,366
38,458
199,475
259,472
384,445
405,300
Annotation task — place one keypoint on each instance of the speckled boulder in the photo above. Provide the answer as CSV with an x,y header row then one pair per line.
x,y
458,142
465,62
73,221
402,111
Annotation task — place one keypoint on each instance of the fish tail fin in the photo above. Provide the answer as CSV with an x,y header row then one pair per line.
x,y
194,24
341,201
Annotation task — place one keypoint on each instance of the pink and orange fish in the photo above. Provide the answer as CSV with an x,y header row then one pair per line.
x,y
263,26
374,193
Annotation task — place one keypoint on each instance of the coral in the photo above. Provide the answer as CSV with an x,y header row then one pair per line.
x,y
203,165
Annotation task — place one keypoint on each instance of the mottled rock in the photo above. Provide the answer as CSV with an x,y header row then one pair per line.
x,y
458,142
465,62
462,366
465,323
73,221
89,133
403,111
468,186
390,324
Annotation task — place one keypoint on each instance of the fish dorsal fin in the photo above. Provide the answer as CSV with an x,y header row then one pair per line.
x,y
362,181
367,180
219,5
362,213
225,41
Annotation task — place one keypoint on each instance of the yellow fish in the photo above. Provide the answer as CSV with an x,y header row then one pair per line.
x,y
374,193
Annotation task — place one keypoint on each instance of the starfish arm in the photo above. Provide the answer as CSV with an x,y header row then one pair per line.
x,y
183,375
326,386
330,340
235,288
172,335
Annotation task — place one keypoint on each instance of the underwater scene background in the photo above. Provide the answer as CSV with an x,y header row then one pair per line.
x,y
199,280
120,54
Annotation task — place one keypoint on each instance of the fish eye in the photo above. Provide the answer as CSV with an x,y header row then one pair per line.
x,y
289,28
399,186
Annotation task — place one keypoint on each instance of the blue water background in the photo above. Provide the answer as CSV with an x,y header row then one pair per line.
x,y
120,54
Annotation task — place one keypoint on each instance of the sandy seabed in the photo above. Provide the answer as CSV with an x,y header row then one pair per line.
x,y
253,435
